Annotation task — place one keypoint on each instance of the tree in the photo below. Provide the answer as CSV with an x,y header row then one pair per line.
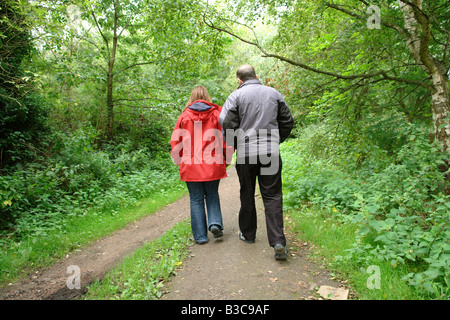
x,y
15,46
115,20
144,51
22,114
415,33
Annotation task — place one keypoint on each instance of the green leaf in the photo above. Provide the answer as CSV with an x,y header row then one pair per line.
x,y
377,225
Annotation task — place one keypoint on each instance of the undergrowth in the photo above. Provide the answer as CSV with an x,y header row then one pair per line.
x,y
80,193
395,199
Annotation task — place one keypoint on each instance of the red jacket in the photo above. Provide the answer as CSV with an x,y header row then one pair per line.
x,y
198,145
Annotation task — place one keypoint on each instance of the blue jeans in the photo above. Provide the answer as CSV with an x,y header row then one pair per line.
x,y
199,193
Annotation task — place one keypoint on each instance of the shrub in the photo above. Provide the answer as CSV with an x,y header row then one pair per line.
x,y
37,198
398,201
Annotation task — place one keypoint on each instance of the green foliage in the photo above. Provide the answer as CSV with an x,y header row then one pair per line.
x,y
329,238
23,113
60,168
54,205
162,52
23,129
38,197
363,153
397,198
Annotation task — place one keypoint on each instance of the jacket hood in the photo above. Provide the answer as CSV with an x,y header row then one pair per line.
x,y
200,106
201,110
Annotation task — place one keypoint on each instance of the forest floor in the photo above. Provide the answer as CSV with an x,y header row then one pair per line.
x,y
223,269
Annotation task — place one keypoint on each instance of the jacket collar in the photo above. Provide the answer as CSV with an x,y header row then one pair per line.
x,y
202,105
251,81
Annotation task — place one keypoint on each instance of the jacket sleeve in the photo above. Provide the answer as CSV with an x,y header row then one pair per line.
x,y
285,120
228,151
229,117
176,143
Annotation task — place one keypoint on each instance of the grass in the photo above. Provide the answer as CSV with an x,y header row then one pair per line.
x,y
21,258
142,275
329,239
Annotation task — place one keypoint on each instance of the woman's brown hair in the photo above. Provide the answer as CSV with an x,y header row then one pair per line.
x,y
199,93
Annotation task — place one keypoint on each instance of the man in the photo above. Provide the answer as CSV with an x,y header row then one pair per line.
x,y
255,120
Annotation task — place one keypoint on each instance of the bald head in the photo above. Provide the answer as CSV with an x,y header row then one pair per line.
x,y
246,72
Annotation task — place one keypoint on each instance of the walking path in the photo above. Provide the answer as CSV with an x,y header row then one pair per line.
x,y
97,259
228,268
225,268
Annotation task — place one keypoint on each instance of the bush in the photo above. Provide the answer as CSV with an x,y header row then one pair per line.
x,y
23,129
398,201
36,198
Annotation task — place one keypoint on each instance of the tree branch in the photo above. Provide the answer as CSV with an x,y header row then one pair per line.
x,y
144,63
362,18
101,33
11,98
136,64
137,99
302,65
417,9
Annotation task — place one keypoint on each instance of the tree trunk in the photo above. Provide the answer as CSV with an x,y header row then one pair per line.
x,y
441,109
110,83
441,117
110,107
418,44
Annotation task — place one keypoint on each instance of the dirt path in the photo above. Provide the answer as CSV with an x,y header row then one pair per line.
x,y
229,268
97,259
221,269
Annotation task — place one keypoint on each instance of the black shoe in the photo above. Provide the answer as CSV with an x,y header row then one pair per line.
x,y
280,252
215,230
241,236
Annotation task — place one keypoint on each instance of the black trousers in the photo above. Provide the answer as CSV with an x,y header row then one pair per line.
x,y
270,186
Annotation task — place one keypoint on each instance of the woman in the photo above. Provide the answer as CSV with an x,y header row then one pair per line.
x,y
198,148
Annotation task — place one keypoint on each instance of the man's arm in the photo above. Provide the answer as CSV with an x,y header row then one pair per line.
x,y
229,117
285,120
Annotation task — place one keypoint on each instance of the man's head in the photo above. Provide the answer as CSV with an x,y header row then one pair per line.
x,y
246,72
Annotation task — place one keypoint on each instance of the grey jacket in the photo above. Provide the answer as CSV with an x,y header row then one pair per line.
x,y
255,119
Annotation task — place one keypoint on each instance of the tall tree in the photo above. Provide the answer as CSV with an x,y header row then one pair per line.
x,y
115,20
